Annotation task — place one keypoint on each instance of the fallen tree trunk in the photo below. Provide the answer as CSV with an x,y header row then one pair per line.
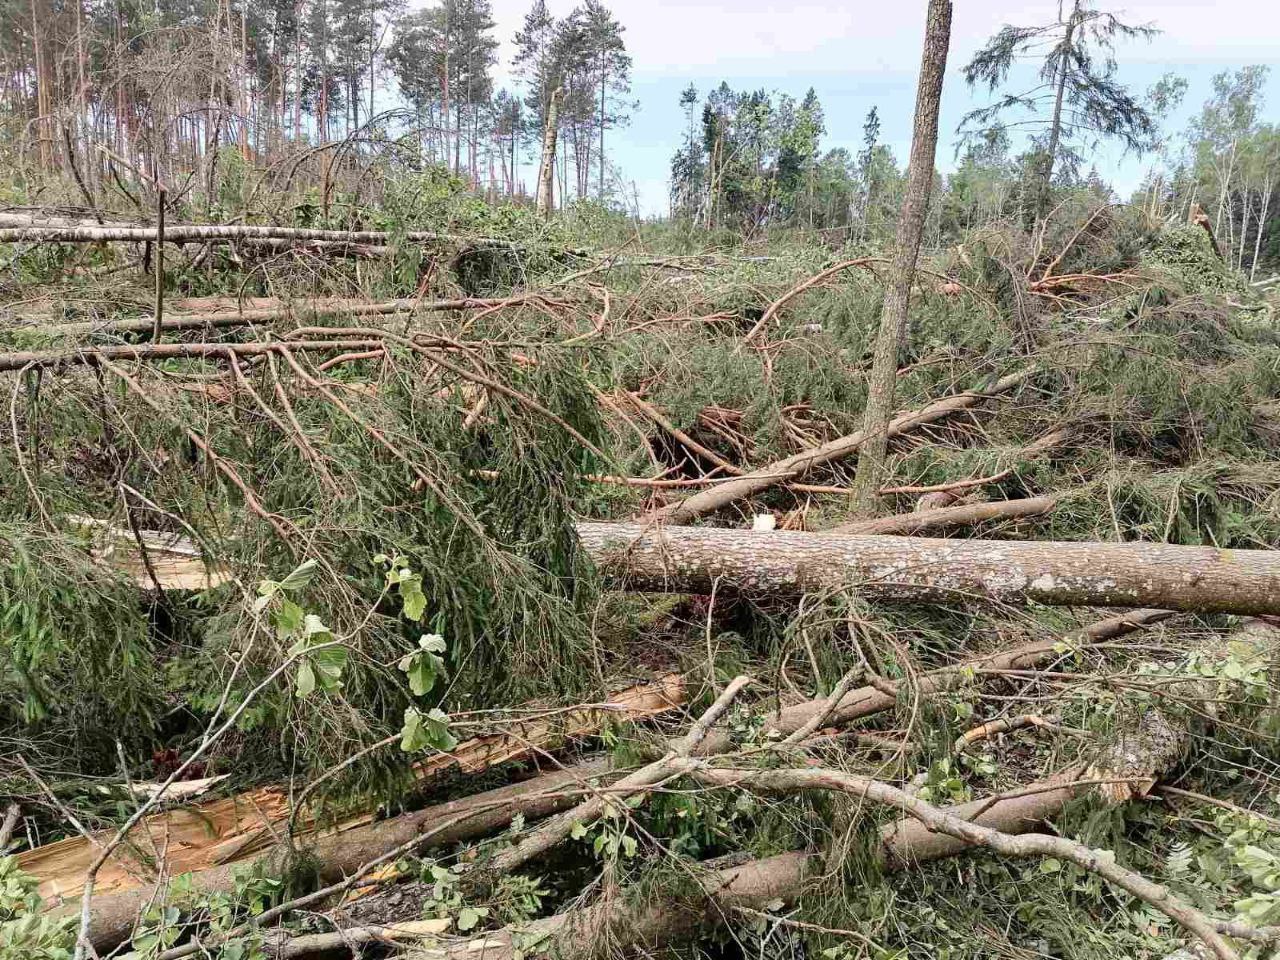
x,y
94,356
236,829
869,700
1157,739
902,845
343,853
213,232
303,310
976,834
965,515
794,467
918,569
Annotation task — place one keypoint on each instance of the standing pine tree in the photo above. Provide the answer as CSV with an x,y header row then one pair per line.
x,y
1077,89
610,65
535,62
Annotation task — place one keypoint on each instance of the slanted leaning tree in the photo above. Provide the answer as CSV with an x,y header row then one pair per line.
x,y
911,222
1077,87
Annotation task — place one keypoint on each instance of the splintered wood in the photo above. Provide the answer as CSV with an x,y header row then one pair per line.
x,y
231,829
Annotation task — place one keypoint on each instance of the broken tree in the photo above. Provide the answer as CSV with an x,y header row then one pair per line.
x,y
920,569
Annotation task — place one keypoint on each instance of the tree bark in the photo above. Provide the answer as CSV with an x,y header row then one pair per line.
x,y
923,570
911,224
546,169
38,233
794,467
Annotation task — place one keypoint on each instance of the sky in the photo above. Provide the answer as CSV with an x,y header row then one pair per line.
x,y
863,53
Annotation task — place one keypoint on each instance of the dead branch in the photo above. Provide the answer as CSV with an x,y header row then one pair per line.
x,y
964,515
539,841
794,467
941,821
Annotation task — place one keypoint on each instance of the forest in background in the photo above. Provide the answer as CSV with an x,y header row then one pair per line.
x,y
96,88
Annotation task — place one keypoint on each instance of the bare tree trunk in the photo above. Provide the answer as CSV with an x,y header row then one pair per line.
x,y
897,297
1262,226
546,169
921,569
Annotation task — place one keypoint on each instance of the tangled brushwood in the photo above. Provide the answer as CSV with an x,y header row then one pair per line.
x,y
459,586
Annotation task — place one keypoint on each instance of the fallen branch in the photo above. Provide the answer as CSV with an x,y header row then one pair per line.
x,y
938,820
804,285
547,835
796,466
964,515
925,570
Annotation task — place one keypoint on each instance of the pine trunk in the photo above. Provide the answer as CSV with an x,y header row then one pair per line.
x,y
929,570
911,223
546,168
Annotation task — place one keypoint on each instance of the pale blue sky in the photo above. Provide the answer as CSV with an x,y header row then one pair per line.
x,y
859,54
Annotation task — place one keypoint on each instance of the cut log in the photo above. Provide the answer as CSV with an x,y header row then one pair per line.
x,y
965,515
925,570
794,467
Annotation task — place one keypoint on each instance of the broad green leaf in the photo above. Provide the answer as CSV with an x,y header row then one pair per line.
x,y
422,669
306,679
438,730
313,625
287,618
300,576
432,643
415,602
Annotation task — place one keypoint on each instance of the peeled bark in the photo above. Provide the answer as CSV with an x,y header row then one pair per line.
x,y
237,829
927,570
965,515
795,467
547,167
